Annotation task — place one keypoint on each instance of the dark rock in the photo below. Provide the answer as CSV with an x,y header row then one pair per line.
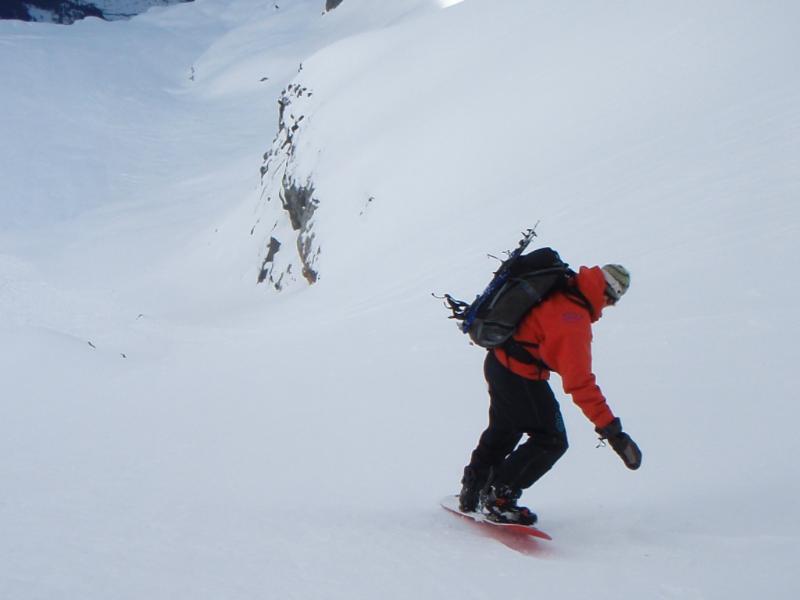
x,y
14,9
62,11
266,267
298,202
65,11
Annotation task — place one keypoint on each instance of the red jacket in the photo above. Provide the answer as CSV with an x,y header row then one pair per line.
x,y
559,332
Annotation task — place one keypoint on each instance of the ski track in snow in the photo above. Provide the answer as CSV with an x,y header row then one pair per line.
x,y
168,429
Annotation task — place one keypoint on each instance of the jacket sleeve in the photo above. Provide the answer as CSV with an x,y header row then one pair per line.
x,y
568,350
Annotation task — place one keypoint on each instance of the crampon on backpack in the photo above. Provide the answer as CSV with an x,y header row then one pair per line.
x,y
521,282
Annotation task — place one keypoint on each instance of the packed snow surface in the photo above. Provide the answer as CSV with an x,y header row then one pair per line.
x,y
169,429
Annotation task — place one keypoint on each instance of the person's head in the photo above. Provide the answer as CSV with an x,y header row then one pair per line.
x,y
618,280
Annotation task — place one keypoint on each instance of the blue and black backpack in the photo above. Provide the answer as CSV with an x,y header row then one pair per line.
x,y
522,282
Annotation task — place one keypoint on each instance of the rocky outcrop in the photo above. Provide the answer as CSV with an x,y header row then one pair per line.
x,y
282,182
68,11
55,11
14,9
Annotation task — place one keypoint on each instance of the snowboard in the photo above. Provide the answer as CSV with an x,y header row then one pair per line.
x,y
450,504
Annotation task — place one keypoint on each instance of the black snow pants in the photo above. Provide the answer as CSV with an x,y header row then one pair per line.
x,y
518,406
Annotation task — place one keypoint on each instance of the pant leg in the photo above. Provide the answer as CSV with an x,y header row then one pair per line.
x,y
495,443
503,432
530,461
533,409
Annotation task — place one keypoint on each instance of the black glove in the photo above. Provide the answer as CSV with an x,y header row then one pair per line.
x,y
622,443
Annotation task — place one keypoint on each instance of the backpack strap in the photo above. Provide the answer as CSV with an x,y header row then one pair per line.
x,y
572,292
518,350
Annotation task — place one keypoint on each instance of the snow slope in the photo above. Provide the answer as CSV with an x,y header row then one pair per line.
x,y
169,429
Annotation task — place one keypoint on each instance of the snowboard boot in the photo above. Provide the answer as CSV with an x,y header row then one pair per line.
x,y
500,506
472,484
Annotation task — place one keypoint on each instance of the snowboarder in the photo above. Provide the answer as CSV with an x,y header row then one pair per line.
x,y
553,336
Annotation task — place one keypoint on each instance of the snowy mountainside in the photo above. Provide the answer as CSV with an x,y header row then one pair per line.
x,y
69,11
169,427
113,8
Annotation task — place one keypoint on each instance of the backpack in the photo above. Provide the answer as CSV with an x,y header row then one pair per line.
x,y
521,282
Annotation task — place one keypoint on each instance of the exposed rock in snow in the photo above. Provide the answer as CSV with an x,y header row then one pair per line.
x,y
55,11
280,177
69,11
14,9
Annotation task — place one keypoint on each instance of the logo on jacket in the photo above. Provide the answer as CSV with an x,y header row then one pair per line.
x,y
572,317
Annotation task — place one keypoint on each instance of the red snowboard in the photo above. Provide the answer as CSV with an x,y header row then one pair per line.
x,y
450,503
